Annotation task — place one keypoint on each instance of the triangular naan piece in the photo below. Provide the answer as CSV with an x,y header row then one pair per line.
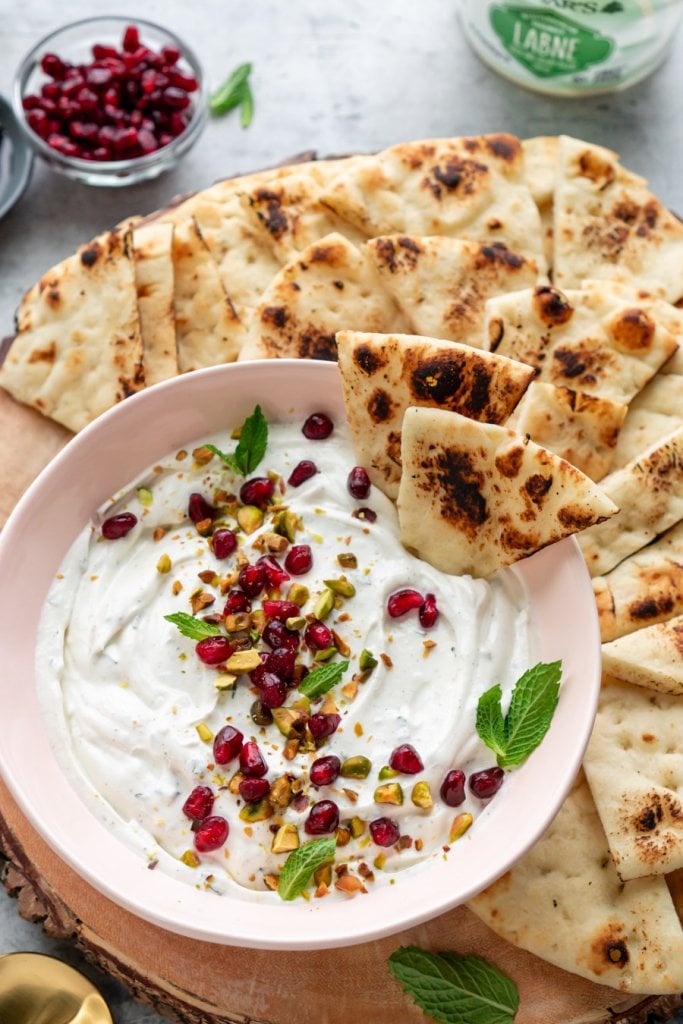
x,y
79,348
650,657
649,493
540,167
564,902
634,767
471,188
654,413
579,428
208,330
442,284
475,497
608,225
607,344
384,374
153,245
328,287
643,589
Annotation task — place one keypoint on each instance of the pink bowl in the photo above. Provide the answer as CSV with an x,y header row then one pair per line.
x,y
105,457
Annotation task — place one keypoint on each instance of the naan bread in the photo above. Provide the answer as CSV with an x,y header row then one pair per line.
x,y
475,497
383,374
208,330
653,414
470,188
153,245
634,766
607,344
649,492
79,348
651,657
564,902
328,287
540,167
643,589
608,225
442,284
579,428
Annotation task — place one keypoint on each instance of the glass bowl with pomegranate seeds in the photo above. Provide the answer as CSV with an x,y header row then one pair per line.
x,y
108,101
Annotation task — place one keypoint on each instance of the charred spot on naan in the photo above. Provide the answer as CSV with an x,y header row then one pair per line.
x,y
551,306
453,474
380,406
582,364
451,381
498,254
467,176
398,254
267,205
632,330
608,949
595,167
368,360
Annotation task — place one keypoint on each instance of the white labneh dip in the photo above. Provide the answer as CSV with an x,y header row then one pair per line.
x,y
124,692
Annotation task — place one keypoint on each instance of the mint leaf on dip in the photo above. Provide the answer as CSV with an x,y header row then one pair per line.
x,y
195,629
532,706
301,864
322,679
455,989
251,446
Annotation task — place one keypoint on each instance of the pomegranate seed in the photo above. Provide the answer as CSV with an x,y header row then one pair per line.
x,y
198,507
486,783
211,834
280,610
118,525
39,122
227,744
256,675
275,574
428,613
237,602
325,770
323,817
87,100
317,427
72,86
384,832
317,636
214,649
405,759
322,725
199,803
99,51
252,579
53,66
257,491
276,635
254,789
303,471
358,482
176,99
148,141
281,662
251,760
299,559
368,514
85,130
272,690
98,78
453,788
186,82
224,543
30,102
170,54
403,601
164,139
178,123
131,39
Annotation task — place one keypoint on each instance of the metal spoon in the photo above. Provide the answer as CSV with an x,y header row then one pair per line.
x,y
37,989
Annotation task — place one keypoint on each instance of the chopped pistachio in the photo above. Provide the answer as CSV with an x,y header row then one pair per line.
x,y
324,605
159,532
342,587
296,622
285,523
237,622
302,704
350,689
250,518
347,560
275,543
204,526
243,661
204,732
357,827
323,875
343,836
390,793
422,795
176,588
387,660
234,784
341,644
357,767
298,593
145,496
285,839
201,599
258,620
387,773
358,729
326,654
351,795
367,661
225,681
291,748
349,884
208,576
190,858
164,564
287,720
281,794
271,882
258,811
202,455
180,455
460,825
379,861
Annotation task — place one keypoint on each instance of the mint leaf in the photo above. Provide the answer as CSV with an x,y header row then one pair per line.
x,y
251,446
531,711
455,989
227,458
322,679
231,93
246,106
490,722
301,864
188,625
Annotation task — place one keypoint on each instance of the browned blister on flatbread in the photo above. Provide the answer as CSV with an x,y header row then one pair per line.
x,y
79,348
475,497
651,657
383,374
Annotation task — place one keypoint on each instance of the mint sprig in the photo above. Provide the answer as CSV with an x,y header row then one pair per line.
x,y
251,446
195,629
322,679
301,864
532,706
455,989
234,92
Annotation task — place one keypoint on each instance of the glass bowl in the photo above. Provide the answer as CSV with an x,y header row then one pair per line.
x,y
73,44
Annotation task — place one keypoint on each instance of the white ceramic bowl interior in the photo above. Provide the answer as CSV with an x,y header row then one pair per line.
x,y
105,457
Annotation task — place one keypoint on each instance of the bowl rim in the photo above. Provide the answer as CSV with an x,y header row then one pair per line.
x,y
171,903
173,150
22,159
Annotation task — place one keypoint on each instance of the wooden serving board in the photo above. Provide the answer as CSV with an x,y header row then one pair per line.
x,y
195,982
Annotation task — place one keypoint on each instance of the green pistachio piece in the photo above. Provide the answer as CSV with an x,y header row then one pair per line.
x,y
164,564
190,858
243,661
250,518
324,604
296,622
285,839
145,496
357,827
325,654
341,587
285,523
347,560
287,720
298,593
357,767
258,811
387,773
421,795
367,661
391,793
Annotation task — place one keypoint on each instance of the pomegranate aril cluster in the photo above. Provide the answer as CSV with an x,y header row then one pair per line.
x,y
127,102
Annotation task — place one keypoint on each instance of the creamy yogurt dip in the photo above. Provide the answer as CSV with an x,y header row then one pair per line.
x,y
132,710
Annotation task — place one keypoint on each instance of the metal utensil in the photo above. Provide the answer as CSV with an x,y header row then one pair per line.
x,y
38,989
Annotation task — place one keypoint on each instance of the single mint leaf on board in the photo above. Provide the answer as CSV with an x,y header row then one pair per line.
x,y
532,706
301,864
455,989
322,679
190,626
490,723
231,93
251,446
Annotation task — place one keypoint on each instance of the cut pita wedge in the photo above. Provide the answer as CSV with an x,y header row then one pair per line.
x,y
649,492
153,247
442,284
383,374
329,286
608,225
654,413
650,657
634,766
79,348
565,902
644,589
475,497
540,167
